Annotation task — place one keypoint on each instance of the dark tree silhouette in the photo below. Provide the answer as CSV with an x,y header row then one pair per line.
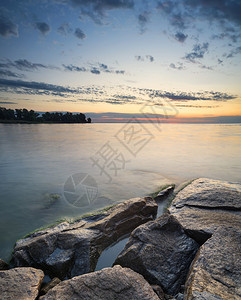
x,y
6,114
32,116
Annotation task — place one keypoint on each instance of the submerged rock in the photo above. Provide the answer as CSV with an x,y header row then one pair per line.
x,y
68,250
216,270
110,283
205,205
20,283
161,251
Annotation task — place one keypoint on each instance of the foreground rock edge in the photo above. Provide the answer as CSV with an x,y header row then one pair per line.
x,y
109,283
20,283
68,250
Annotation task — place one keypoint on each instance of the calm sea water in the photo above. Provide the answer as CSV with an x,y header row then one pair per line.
x,y
38,163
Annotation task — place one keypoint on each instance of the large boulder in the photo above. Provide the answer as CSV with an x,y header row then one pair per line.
x,y
161,251
216,271
69,250
20,283
111,283
205,205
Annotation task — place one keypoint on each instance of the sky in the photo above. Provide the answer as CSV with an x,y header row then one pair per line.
x,y
111,59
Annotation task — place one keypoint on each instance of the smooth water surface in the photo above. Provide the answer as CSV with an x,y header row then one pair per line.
x,y
36,160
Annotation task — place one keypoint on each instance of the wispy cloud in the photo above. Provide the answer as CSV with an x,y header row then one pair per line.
x,y
64,29
149,58
198,52
128,95
143,19
179,66
42,27
7,73
79,34
96,10
24,65
7,27
181,37
97,69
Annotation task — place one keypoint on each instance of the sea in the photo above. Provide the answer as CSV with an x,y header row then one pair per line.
x,y
54,172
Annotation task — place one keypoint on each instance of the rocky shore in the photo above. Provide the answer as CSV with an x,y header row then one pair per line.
x,y
193,251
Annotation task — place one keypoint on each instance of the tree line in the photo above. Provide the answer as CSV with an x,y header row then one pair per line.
x,y
32,116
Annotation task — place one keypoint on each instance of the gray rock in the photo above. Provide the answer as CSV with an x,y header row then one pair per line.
x,y
160,251
111,283
205,205
68,250
162,195
216,271
20,283
3,265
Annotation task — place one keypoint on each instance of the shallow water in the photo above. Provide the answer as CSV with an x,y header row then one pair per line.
x,y
37,160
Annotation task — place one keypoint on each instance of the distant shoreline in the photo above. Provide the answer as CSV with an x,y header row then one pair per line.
x,y
175,123
38,122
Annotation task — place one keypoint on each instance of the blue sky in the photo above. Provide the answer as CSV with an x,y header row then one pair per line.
x,y
118,55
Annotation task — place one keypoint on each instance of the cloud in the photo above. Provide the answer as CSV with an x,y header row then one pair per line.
x,y
198,52
79,34
37,88
43,27
180,37
103,66
24,65
122,72
8,73
234,37
139,58
149,58
177,20
95,71
94,94
182,96
96,9
206,67
166,6
74,68
234,52
220,10
143,19
7,27
223,11
221,16
178,66
64,29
